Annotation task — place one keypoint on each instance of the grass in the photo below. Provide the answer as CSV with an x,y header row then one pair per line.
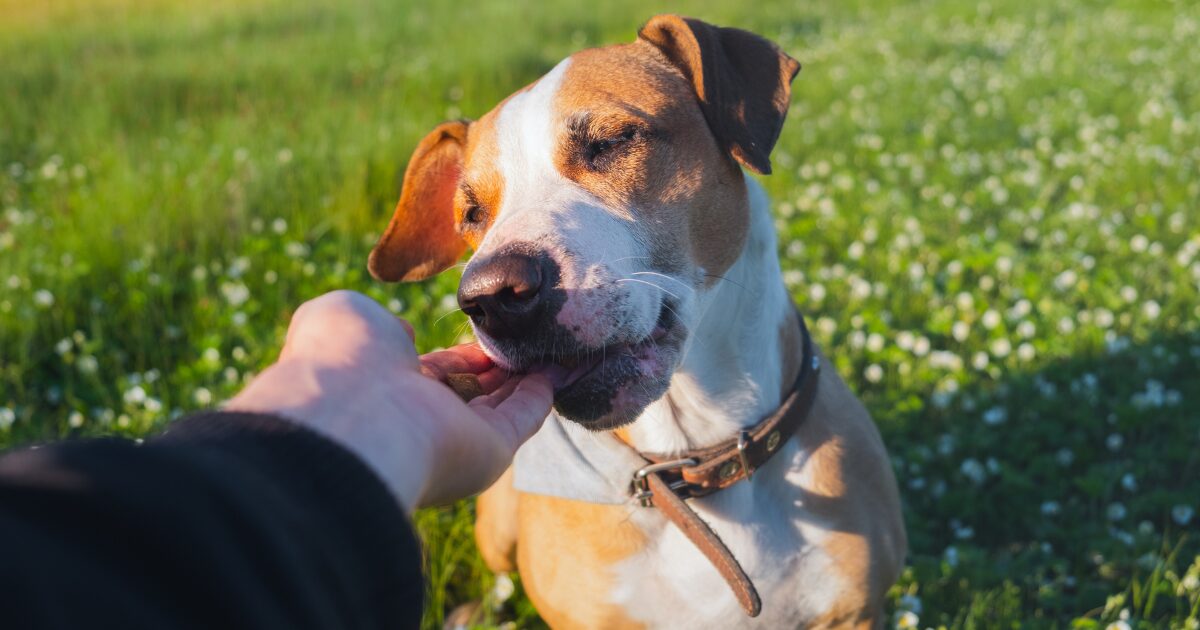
x,y
990,212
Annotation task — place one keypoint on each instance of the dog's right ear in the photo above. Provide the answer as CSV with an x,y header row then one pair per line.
x,y
743,82
421,239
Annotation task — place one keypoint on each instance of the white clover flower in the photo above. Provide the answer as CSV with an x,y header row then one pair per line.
x,y
87,364
1051,508
296,249
1026,329
1116,511
279,226
960,331
1129,482
1114,442
1066,325
1119,624
75,420
7,418
826,326
135,395
1104,318
1001,348
921,346
873,373
990,319
153,405
1151,309
856,250
1139,242
231,374
235,293
943,360
1026,352
995,416
973,470
43,298
1128,293
980,360
905,340
964,301
202,396
238,354
63,346
1182,514
1066,280
211,355
503,589
394,305
1065,456
816,292
907,620
284,155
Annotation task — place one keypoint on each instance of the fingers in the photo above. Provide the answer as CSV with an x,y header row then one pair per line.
x,y
523,403
465,358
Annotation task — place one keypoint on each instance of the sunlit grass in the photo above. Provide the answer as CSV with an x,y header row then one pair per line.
x,y
990,214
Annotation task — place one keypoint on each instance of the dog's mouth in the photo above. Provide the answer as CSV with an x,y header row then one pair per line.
x,y
611,386
606,387
589,363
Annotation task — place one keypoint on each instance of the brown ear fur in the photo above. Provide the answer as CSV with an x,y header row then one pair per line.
x,y
421,240
743,82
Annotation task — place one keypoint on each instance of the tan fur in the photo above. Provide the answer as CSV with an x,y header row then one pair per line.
x,y
496,524
852,491
566,557
689,195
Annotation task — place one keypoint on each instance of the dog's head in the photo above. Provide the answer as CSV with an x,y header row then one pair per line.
x,y
600,202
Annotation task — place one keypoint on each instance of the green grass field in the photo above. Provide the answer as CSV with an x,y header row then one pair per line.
x,y
990,213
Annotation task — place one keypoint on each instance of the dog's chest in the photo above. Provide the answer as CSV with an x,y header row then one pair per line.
x,y
669,583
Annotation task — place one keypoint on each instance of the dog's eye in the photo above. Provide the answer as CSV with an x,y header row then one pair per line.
x,y
597,151
473,215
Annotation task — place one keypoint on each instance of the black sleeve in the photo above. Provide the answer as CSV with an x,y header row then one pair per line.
x,y
225,521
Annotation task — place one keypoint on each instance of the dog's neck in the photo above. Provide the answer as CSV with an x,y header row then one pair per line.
x,y
731,375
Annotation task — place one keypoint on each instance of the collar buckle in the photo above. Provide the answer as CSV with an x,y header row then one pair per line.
x,y
743,443
641,485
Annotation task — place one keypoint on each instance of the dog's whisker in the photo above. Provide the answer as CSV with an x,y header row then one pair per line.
x,y
448,314
651,284
663,275
737,284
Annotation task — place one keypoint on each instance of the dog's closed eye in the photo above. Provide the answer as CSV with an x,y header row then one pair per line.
x,y
599,152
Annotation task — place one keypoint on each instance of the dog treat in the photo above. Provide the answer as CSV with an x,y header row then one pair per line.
x,y
464,384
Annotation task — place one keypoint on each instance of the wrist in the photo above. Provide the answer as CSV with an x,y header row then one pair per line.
x,y
344,408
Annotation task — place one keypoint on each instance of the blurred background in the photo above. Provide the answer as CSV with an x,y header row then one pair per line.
x,y
989,212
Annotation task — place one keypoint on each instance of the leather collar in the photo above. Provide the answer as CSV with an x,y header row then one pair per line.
x,y
666,481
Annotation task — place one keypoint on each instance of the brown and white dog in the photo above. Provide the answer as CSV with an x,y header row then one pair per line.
x,y
615,233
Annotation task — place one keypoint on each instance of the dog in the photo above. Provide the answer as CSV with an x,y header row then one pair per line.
x,y
616,234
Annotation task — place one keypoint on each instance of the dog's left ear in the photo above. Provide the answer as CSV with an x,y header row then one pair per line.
x,y
743,82
420,240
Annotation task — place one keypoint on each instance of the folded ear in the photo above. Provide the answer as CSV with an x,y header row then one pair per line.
x,y
421,240
743,82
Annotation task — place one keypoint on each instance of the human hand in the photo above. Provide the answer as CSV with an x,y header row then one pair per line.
x,y
349,370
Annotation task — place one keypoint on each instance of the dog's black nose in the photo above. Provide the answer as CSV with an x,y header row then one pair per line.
x,y
504,294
